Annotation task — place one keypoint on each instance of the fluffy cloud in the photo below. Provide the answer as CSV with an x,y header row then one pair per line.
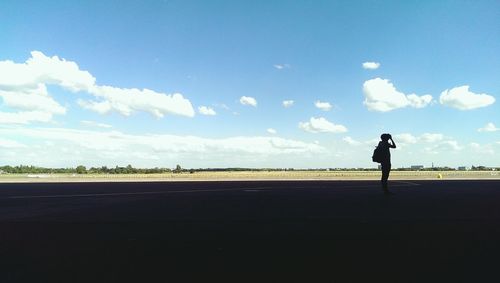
x,y
381,95
463,99
288,103
128,100
490,127
325,106
482,149
405,138
371,65
204,110
444,146
6,143
451,144
419,101
25,117
32,99
351,141
431,138
247,100
102,107
23,87
373,142
41,69
321,125
271,131
95,124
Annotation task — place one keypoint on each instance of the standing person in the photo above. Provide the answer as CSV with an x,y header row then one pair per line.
x,y
384,146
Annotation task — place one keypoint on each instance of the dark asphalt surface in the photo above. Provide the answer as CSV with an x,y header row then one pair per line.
x,y
279,231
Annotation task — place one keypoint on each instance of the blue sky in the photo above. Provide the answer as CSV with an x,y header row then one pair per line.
x,y
57,111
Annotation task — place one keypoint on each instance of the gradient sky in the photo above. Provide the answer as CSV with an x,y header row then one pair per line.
x,y
203,83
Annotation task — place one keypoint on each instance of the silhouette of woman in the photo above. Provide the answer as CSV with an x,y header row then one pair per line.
x,y
385,153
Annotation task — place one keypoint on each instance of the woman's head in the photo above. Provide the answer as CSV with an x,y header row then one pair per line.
x,y
385,137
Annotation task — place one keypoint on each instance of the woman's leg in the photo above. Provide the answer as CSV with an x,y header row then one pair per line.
x,y
386,169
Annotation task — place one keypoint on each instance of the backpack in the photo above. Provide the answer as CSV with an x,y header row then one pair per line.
x,y
377,155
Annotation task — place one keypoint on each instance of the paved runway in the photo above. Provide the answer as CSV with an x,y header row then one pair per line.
x,y
336,231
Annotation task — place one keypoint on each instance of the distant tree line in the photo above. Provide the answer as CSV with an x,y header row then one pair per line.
x,y
446,168
80,169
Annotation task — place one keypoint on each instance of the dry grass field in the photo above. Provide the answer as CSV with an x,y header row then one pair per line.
x,y
249,175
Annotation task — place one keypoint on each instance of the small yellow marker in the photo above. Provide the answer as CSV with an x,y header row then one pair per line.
x,y
440,176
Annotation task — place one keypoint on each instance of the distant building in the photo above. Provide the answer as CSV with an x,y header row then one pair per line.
x,y
417,167
462,168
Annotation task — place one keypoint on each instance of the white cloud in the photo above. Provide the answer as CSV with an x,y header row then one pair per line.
x,y
23,86
416,101
41,69
204,110
62,147
95,124
381,95
482,149
272,131
431,138
6,143
247,100
25,117
446,146
288,103
281,66
115,141
490,127
32,99
325,106
405,138
128,100
21,89
373,141
351,141
451,144
474,145
321,125
371,65
114,147
463,99
102,107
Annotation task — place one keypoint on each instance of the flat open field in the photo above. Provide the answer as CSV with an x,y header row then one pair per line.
x,y
250,231
250,175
